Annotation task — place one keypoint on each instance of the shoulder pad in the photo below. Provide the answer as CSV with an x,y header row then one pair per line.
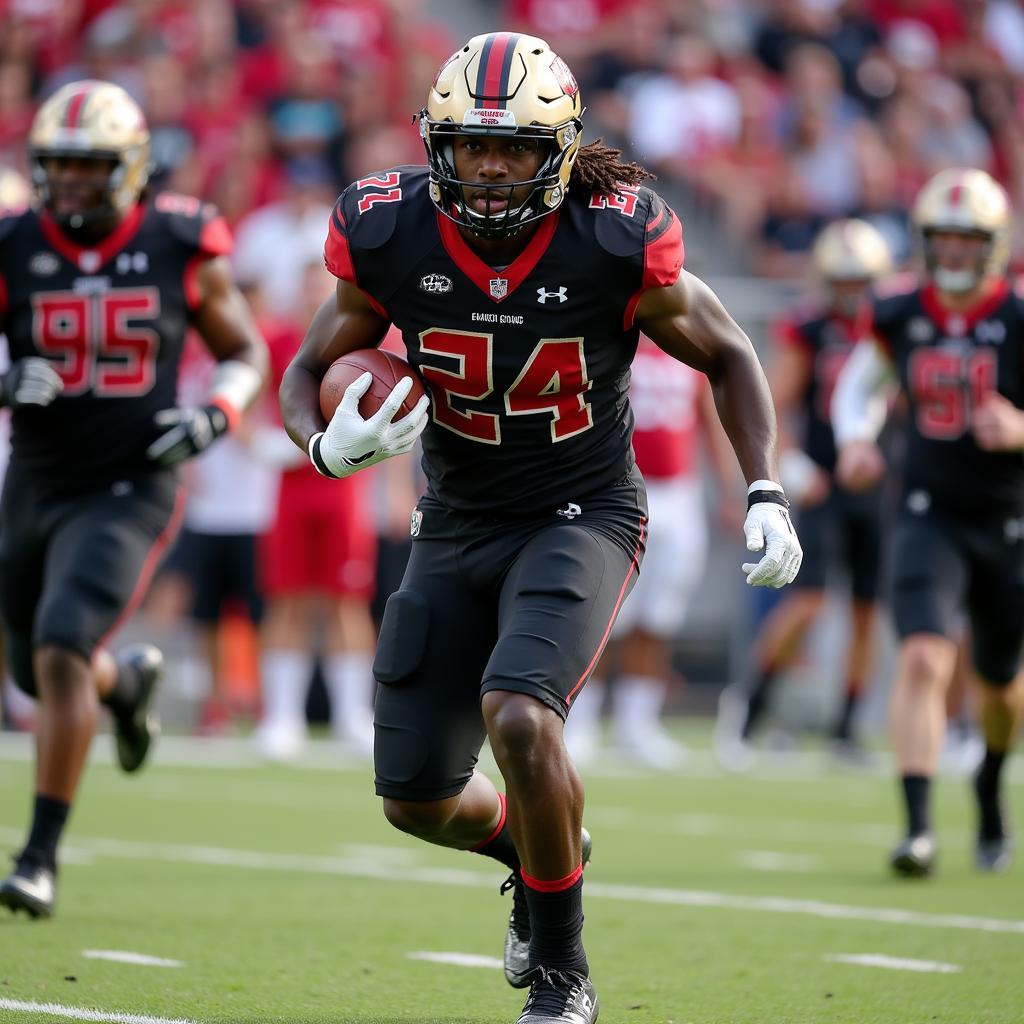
x,y
637,222
196,223
371,206
892,305
619,224
10,219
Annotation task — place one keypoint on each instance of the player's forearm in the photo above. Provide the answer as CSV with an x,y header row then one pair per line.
x,y
745,408
860,399
300,404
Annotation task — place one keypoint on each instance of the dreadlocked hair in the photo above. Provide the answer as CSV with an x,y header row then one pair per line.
x,y
598,169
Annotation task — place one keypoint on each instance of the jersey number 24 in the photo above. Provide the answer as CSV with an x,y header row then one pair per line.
x,y
554,380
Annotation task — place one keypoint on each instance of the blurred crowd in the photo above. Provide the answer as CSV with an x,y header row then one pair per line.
x,y
768,119
776,116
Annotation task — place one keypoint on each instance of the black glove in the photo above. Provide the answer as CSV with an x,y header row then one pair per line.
x,y
31,381
186,432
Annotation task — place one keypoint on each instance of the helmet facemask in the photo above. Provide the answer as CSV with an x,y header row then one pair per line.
x,y
966,279
452,195
103,211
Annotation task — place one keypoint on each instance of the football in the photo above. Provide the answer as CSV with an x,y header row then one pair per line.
x,y
387,370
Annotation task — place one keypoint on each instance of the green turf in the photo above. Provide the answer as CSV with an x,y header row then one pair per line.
x,y
324,936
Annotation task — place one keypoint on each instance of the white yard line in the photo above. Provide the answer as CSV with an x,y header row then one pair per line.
x,y
893,963
124,956
78,1013
773,860
456,959
304,863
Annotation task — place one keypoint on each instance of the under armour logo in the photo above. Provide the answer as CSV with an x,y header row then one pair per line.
x,y
543,296
571,511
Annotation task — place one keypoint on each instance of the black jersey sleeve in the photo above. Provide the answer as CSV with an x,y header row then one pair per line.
x,y
200,229
377,230
638,225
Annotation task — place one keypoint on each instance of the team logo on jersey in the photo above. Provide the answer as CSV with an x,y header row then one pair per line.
x,y
415,522
991,332
543,296
956,325
918,502
89,261
499,287
438,284
43,264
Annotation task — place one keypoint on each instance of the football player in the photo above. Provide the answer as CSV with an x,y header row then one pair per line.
x,y
812,347
519,267
954,345
98,285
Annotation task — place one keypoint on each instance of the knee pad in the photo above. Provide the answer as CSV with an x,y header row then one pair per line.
x,y
403,637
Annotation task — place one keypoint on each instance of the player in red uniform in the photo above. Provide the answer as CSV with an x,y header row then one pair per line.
x,y
520,268
955,344
319,561
97,288
836,526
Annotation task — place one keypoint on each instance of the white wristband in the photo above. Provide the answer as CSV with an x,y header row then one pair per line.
x,y
764,485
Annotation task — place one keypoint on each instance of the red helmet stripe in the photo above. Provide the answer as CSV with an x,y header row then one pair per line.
x,y
495,65
74,107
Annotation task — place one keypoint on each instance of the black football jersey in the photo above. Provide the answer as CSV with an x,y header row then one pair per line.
x,y
111,319
947,362
527,366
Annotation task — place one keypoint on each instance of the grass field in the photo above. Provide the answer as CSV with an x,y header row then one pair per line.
x,y
285,897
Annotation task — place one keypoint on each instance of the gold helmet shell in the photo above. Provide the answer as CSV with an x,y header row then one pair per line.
x,y
93,119
851,250
970,201
14,190
504,84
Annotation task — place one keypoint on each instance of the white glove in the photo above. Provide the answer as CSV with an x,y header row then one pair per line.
x,y
31,381
351,443
768,526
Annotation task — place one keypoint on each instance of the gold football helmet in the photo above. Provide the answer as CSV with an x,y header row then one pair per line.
x,y
97,120
851,250
503,84
970,202
14,190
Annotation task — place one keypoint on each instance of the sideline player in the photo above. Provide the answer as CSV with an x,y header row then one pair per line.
x,y
520,268
955,344
835,524
318,562
98,288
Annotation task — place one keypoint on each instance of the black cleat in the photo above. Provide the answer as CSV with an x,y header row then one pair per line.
x,y
559,997
993,854
29,887
135,731
915,856
517,938
995,848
